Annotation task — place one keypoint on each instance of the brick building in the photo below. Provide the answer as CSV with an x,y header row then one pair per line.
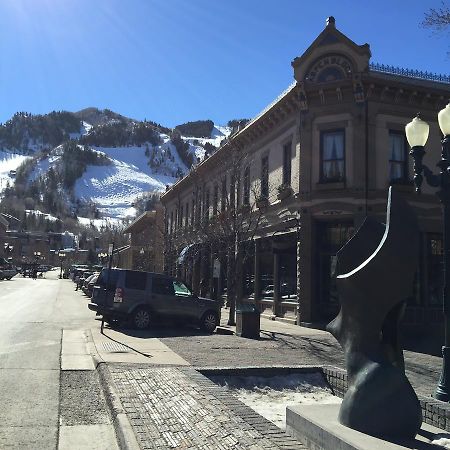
x,y
312,166
146,242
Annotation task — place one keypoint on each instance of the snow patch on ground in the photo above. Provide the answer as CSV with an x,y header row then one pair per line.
x,y
442,440
100,224
8,162
269,396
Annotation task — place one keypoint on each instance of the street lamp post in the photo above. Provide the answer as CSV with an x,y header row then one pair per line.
x,y
417,134
102,257
8,250
61,256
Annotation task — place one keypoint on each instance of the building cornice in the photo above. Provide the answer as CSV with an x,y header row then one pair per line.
x,y
282,107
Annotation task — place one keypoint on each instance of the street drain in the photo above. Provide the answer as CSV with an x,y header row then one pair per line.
x,y
115,347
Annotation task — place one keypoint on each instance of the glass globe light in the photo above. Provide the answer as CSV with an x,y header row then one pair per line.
x,y
444,120
417,132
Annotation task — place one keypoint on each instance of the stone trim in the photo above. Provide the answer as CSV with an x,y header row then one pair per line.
x,y
434,412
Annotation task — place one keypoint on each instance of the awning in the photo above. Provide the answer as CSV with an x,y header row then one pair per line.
x,y
185,253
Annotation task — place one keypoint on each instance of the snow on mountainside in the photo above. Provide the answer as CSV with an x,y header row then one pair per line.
x,y
9,162
115,188
131,170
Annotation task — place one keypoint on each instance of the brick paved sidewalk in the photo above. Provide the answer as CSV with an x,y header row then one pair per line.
x,y
178,408
285,344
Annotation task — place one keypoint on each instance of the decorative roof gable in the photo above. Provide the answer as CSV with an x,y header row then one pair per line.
x,y
332,56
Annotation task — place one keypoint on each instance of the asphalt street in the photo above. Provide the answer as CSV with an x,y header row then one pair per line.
x,y
36,396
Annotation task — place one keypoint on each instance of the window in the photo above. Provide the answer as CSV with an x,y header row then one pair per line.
x,y
186,220
171,222
332,152
232,190
162,286
193,212
108,277
246,197
398,169
181,289
215,199
135,280
287,163
197,208
180,218
223,201
206,211
265,177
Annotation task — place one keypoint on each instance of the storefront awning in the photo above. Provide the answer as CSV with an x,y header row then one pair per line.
x,y
185,253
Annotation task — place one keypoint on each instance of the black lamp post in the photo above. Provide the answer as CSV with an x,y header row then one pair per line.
x,y
417,134
102,258
8,250
61,258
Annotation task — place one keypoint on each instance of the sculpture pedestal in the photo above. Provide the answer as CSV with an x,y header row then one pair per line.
x,y
318,428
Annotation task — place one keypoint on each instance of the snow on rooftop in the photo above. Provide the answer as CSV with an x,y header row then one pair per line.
x,y
36,212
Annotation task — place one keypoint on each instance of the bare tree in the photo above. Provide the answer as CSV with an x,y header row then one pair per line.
x,y
228,223
437,18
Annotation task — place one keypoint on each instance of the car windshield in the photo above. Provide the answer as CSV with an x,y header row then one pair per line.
x,y
180,288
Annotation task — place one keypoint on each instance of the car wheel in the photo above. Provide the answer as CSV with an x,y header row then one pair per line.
x,y
141,319
209,322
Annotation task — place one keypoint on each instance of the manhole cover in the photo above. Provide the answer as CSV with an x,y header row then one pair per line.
x,y
115,347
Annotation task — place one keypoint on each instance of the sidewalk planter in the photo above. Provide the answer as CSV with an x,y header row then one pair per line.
x,y
247,322
284,191
262,202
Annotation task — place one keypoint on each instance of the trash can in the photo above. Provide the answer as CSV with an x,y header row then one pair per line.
x,y
247,321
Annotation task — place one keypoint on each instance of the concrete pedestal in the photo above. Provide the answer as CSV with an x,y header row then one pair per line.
x,y
318,428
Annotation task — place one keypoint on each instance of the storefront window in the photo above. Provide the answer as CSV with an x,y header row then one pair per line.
x,y
331,237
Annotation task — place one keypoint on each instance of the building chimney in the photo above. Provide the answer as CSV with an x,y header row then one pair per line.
x,y
331,22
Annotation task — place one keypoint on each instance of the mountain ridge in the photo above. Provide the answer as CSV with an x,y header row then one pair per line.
x,y
133,159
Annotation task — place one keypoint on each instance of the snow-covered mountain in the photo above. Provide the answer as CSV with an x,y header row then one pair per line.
x,y
137,158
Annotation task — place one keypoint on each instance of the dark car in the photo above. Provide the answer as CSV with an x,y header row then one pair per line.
x,y
140,297
82,276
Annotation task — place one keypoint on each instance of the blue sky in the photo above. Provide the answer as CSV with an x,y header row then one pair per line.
x,y
172,61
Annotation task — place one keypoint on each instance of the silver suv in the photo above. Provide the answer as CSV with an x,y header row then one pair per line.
x,y
141,297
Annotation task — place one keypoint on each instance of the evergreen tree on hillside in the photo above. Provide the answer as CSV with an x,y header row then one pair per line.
x,y
199,128
182,148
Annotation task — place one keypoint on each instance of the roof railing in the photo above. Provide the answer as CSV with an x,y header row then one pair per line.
x,y
384,68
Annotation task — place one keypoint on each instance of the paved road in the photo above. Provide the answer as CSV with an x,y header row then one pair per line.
x,y
33,314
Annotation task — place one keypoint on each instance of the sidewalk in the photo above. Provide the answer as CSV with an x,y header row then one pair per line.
x,y
167,404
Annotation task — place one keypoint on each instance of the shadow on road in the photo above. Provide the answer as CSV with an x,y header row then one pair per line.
x,y
161,330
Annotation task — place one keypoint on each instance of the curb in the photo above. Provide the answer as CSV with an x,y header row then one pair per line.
x,y
126,438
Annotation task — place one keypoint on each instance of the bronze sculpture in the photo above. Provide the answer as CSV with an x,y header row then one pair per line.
x,y
376,271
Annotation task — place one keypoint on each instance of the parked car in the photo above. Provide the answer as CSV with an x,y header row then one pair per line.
x,y
82,276
141,297
7,272
89,284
